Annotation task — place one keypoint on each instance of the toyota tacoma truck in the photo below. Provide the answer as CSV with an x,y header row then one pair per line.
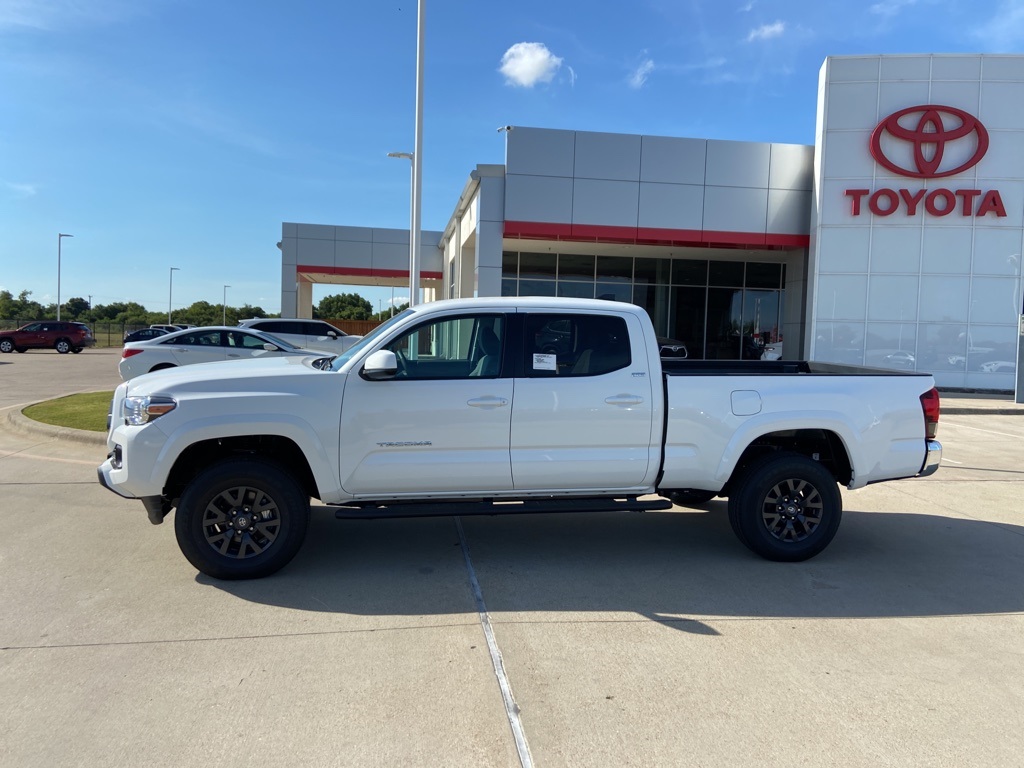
x,y
505,405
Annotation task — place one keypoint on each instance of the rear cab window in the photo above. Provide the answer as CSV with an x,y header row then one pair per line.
x,y
575,345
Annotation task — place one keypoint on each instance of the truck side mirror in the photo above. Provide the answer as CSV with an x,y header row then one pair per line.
x,y
382,364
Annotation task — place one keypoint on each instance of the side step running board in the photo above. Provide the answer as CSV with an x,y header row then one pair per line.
x,y
490,507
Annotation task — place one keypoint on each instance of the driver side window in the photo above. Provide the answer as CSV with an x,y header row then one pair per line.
x,y
467,346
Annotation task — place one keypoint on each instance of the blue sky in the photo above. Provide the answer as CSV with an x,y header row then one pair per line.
x,y
183,133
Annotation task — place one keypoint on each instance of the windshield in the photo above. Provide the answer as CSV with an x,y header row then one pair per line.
x,y
285,345
367,340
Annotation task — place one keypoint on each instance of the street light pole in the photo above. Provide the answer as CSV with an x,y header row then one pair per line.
x,y
412,216
224,307
170,289
417,161
60,236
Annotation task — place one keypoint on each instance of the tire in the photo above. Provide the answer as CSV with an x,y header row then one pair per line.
x,y
63,346
6,346
75,350
162,367
785,507
19,350
690,497
217,525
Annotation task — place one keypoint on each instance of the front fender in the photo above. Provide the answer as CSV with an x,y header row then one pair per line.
x,y
317,451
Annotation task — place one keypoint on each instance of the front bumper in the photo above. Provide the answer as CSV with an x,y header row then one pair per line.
x,y
931,459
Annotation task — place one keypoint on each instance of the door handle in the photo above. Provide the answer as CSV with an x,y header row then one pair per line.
x,y
233,354
181,349
624,399
487,402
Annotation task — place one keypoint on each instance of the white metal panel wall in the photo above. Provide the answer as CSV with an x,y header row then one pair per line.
x,y
935,292
657,183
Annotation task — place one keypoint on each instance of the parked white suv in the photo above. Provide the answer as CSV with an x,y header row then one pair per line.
x,y
309,334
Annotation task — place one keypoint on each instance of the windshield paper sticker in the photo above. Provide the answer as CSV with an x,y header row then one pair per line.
x,y
545,362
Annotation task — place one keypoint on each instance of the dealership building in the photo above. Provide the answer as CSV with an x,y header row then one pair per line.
x,y
895,241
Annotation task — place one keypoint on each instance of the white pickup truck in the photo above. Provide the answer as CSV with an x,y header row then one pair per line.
x,y
507,405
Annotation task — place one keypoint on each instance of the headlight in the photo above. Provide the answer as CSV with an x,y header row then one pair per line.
x,y
142,410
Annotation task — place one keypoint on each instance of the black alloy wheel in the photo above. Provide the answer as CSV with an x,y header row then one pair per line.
x,y
241,519
786,507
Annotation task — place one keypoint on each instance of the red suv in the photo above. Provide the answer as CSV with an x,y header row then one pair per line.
x,y
64,337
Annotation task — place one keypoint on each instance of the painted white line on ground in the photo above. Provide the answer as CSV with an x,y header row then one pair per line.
x,y
17,455
977,429
511,708
950,461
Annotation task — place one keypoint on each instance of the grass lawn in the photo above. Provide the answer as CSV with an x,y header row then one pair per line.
x,y
85,411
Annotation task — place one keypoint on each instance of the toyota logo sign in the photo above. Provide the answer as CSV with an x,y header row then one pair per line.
x,y
935,128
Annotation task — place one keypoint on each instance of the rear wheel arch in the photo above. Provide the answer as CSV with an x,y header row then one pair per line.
x,y
821,445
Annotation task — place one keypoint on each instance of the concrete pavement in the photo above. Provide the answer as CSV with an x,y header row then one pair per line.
x,y
625,639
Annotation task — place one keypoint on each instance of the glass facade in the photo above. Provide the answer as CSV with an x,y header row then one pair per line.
x,y
726,310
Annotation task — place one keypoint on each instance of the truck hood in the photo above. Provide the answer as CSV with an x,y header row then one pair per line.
x,y
226,377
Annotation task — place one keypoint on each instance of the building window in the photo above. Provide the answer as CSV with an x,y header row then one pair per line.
x,y
719,309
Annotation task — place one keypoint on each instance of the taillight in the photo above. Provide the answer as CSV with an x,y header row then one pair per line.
x,y
132,352
930,406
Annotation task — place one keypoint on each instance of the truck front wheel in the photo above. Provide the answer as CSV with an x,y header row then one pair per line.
x,y
786,507
241,519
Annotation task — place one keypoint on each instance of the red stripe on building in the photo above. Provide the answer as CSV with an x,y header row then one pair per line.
x,y
365,272
596,233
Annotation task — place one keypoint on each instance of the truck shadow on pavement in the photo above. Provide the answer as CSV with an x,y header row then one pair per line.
x,y
681,568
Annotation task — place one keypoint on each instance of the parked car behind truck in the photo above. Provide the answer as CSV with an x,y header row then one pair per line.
x,y
460,407
48,334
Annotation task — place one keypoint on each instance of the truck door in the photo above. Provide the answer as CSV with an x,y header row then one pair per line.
x,y
584,405
442,423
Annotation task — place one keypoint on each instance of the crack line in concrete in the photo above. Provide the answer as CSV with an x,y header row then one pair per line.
x,y
511,708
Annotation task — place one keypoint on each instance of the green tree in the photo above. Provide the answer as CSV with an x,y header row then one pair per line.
x,y
199,313
74,308
247,311
387,313
344,306
21,308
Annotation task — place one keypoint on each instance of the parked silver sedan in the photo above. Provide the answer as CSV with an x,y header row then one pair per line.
x,y
203,345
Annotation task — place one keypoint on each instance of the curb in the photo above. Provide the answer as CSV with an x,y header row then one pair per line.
x,y
19,422
953,410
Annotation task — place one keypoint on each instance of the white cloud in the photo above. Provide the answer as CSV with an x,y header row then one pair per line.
x,y
639,76
22,190
767,31
746,7
54,14
572,76
1005,30
526,64
889,8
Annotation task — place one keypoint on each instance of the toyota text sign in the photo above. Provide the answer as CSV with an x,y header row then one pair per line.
x,y
928,142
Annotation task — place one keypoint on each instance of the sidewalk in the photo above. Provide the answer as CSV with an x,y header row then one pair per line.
x,y
956,403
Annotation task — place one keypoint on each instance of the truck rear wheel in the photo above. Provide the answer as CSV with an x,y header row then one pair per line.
x,y
786,507
241,519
